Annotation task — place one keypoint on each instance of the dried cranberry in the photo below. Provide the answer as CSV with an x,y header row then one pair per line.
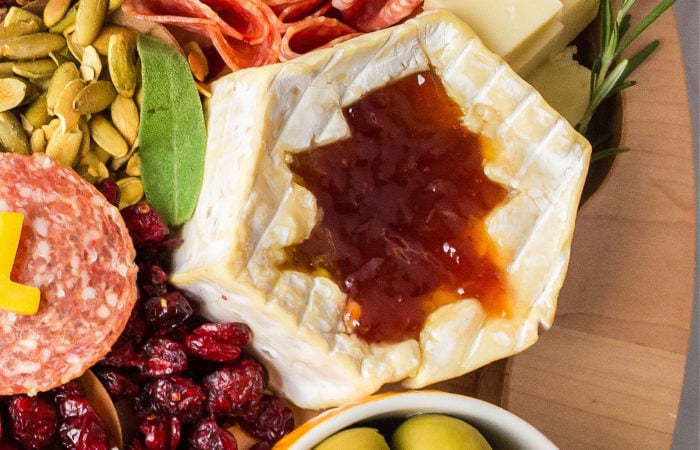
x,y
81,428
145,225
207,435
135,444
271,421
234,389
160,432
123,355
152,280
110,190
174,395
74,387
117,383
160,357
262,445
218,341
167,311
32,421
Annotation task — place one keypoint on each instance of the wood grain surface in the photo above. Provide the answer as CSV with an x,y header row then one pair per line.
x,y
609,373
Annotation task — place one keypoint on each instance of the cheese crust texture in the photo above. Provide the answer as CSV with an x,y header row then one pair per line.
x,y
250,209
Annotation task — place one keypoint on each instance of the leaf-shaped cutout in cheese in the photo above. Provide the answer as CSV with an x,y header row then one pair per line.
x,y
250,209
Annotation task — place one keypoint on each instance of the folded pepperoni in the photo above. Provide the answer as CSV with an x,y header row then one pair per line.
x,y
313,33
244,32
371,15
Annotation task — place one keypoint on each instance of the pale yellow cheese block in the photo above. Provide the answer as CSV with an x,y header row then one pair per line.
x,y
250,208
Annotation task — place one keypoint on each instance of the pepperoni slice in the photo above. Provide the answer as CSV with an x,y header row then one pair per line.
x,y
313,33
76,249
371,15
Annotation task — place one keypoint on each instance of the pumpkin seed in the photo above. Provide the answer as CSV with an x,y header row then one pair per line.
x,y
51,128
117,163
92,169
76,49
121,60
67,21
100,153
13,138
94,97
101,43
6,69
203,89
133,167
91,64
125,117
131,191
37,113
18,29
32,46
64,74
35,69
64,146
12,93
197,61
37,141
16,15
64,108
86,141
106,136
88,22
114,5
55,10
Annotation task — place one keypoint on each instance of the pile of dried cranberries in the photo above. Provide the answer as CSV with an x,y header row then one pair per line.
x,y
185,380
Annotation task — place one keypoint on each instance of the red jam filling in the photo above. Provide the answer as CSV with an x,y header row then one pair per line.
x,y
403,203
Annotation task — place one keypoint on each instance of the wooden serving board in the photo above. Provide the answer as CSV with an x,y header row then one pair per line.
x,y
609,373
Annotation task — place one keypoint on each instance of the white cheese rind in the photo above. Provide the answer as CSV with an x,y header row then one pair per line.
x,y
250,208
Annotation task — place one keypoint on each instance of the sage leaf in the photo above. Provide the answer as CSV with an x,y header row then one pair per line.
x,y
172,132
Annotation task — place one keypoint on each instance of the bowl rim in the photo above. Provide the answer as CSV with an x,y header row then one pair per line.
x,y
501,428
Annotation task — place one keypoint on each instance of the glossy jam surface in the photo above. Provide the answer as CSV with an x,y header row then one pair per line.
x,y
403,204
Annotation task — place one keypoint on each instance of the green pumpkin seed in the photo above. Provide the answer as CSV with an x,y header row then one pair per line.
x,y
114,5
64,108
131,191
92,169
94,97
100,153
133,167
64,74
55,10
88,22
51,128
101,43
125,117
37,113
91,64
106,136
13,138
37,141
121,60
18,29
86,141
12,93
75,49
32,46
6,69
35,69
16,15
67,21
64,146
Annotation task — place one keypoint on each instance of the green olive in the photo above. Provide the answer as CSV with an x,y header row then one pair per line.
x,y
361,438
437,431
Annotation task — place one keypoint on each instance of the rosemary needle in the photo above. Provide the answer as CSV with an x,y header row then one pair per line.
x,y
609,71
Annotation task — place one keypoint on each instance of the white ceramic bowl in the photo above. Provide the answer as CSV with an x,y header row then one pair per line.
x,y
501,428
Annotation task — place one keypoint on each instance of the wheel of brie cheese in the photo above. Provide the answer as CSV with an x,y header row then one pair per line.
x,y
253,211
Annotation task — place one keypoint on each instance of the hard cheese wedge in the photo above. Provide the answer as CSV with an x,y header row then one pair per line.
x,y
250,209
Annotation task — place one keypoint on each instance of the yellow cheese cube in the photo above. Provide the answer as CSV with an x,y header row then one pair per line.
x,y
505,26
564,84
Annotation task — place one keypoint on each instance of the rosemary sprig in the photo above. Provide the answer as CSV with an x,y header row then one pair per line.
x,y
609,71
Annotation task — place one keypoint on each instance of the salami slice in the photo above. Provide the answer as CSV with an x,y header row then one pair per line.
x,y
313,33
371,15
76,249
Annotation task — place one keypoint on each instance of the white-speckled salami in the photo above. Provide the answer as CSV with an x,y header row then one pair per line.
x,y
76,249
